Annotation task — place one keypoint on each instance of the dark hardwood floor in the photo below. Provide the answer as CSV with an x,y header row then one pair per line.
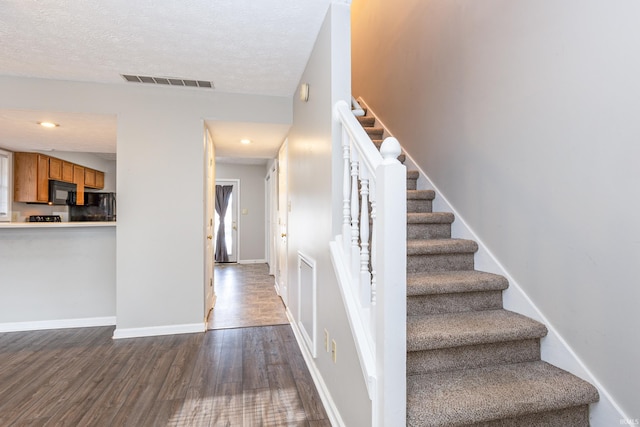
x,y
81,377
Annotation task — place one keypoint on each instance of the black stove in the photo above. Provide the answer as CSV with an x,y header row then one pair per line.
x,y
45,218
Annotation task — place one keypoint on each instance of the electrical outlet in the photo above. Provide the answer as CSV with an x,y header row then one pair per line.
x,y
334,350
326,341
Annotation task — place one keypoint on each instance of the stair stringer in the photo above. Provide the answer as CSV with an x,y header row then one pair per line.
x,y
554,348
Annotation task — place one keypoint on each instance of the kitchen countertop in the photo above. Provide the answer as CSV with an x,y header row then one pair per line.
x,y
13,225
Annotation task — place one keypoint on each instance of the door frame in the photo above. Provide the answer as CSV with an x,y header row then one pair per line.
x,y
209,215
282,246
271,217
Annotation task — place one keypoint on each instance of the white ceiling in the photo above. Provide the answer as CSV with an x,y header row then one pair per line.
x,y
90,133
242,46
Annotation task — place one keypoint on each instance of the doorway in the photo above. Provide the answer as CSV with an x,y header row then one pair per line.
x,y
283,212
226,242
209,291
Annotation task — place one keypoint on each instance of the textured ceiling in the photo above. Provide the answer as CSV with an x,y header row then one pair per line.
x,y
265,139
92,133
243,46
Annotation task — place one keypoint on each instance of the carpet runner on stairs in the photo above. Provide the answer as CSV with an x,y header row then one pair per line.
x,y
469,361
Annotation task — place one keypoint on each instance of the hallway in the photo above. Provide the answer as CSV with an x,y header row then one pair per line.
x,y
245,297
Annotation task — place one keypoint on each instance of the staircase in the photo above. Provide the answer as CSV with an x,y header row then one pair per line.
x,y
469,361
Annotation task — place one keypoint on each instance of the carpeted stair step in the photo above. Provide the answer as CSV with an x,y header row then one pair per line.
x,y
470,328
420,200
440,255
429,225
576,416
374,132
521,394
454,291
470,340
412,179
367,121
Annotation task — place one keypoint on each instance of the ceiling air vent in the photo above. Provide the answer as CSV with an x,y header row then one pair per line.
x,y
168,81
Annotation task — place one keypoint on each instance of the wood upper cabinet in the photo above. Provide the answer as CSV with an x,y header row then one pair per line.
x,y
67,171
43,178
32,172
89,178
93,179
78,178
30,177
55,168
99,180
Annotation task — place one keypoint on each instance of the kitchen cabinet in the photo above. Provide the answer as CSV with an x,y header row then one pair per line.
x,y
30,177
78,179
32,172
60,170
67,171
99,180
93,179
55,168
89,178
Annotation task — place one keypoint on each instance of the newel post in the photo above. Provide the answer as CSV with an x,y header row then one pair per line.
x,y
391,278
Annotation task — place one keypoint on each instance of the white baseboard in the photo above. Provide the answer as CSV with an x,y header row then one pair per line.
x,y
38,325
154,331
329,405
252,261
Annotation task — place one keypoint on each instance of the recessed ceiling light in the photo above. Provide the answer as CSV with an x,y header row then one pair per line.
x,y
304,92
245,141
48,124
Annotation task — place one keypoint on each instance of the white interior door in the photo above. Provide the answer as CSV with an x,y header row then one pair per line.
x,y
231,221
283,212
209,291
272,218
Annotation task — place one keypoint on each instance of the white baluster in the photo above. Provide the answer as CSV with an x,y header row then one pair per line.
x,y
365,275
355,232
346,188
374,238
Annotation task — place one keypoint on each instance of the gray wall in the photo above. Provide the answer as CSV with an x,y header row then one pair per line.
x,y
56,274
310,216
525,115
252,198
160,181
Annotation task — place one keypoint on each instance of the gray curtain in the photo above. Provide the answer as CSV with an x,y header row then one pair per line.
x,y
223,193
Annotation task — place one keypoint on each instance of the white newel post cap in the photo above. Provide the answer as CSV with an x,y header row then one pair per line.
x,y
390,150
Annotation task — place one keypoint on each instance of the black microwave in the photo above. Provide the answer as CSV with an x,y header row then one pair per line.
x,y
62,193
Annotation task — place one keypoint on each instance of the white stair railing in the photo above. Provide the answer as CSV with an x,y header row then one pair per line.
x,y
370,262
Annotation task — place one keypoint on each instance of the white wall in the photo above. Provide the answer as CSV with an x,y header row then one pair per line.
x,y
56,274
525,115
252,198
310,217
160,176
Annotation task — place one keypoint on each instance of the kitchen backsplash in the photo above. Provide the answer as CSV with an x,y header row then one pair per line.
x,y
22,211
